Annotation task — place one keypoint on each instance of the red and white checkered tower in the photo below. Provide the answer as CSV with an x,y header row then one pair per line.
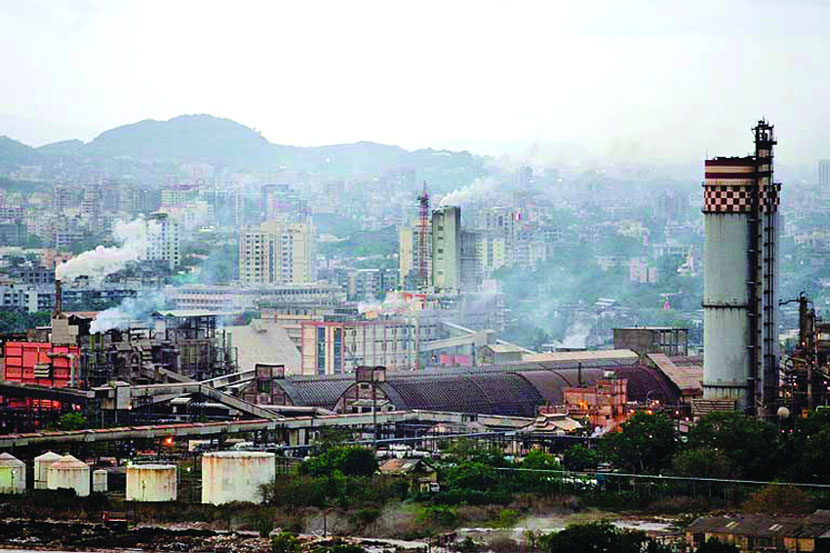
x,y
740,300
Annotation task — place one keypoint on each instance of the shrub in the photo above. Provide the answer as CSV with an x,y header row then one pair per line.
x,y
285,542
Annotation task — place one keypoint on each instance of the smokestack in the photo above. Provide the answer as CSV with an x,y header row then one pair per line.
x,y
740,252
58,298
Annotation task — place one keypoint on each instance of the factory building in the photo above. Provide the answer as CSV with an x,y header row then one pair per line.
x,y
740,300
223,297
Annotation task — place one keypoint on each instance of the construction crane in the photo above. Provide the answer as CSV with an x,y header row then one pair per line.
x,y
423,237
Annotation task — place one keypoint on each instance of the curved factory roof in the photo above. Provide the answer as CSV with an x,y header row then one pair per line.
x,y
512,390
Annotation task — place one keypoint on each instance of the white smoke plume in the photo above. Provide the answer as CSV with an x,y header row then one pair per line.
x,y
102,261
131,312
479,190
576,336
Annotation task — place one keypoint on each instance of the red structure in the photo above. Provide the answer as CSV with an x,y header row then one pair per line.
x,y
42,363
423,236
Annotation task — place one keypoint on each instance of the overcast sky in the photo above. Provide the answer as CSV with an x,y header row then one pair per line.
x,y
659,80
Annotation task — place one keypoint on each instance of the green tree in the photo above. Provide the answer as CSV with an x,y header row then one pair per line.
x,y
779,499
713,545
471,475
599,537
703,462
580,457
347,461
71,421
645,443
750,444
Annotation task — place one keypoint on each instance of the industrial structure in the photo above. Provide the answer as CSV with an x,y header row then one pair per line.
x,y
740,212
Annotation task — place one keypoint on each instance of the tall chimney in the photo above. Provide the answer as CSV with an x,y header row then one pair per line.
x,y
58,298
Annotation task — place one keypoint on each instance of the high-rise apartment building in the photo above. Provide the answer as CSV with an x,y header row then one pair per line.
x,y
824,173
277,253
163,240
446,248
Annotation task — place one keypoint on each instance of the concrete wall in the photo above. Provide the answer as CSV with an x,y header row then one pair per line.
x,y
236,476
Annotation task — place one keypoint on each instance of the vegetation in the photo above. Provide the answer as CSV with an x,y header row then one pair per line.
x,y
645,444
20,321
713,545
600,537
342,461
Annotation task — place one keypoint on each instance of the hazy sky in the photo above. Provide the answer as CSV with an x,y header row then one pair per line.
x,y
652,80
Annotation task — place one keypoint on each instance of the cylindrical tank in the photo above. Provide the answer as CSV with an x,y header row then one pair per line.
x,y
69,472
42,464
99,481
151,483
12,474
236,476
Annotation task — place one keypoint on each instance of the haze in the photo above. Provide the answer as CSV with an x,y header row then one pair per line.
x,y
670,81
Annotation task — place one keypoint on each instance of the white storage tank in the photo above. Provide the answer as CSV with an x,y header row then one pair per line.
x,y
236,476
151,483
99,481
12,474
42,464
69,472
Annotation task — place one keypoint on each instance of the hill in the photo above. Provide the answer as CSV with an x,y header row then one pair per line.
x,y
187,138
151,148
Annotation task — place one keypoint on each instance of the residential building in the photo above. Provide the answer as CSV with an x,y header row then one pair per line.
x,y
277,253
163,240
446,248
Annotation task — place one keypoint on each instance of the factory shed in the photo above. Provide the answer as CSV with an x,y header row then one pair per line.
x,y
685,373
516,389
314,391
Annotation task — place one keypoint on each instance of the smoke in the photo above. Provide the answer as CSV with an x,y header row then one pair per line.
x,y
576,337
103,261
479,190
131,312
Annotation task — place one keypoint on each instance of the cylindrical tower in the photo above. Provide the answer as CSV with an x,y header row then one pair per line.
x,y
740,334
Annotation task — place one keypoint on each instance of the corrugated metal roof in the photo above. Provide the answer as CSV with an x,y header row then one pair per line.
x,y
688,377
588,355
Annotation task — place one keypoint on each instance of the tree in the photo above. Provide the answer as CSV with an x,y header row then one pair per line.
x,y
713,545
347,461
645,443
703,462
71,421
779,500
579,458
751,444
600,537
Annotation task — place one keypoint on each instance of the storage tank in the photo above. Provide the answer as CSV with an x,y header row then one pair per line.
x,y
42,464
236,476
151,483
69,472
12,474
99,481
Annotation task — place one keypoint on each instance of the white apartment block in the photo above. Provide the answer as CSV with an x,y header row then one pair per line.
x,y
277,253
163,240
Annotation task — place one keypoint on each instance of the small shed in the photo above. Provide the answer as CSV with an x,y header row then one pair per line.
x,y
423,476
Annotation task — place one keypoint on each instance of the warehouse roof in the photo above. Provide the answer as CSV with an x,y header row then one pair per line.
x,y
511,390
